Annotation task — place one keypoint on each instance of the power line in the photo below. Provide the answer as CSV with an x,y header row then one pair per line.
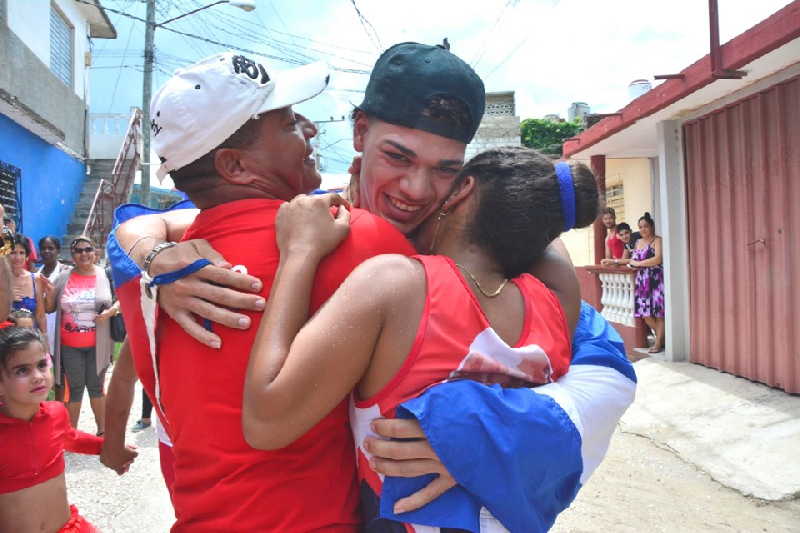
x,y
365,23
485,45
256,34
226,45
119,74
514,51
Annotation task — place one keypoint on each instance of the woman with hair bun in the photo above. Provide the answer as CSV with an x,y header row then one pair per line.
x,y
399,325
646,259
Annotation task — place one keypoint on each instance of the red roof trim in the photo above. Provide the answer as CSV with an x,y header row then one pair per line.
x,y
780,28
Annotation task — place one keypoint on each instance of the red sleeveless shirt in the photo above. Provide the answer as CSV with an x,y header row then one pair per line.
x,y
455,341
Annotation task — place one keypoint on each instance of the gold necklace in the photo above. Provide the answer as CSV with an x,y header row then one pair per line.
x,y
477,283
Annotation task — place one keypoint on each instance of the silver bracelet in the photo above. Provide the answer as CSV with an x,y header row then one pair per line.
x,y
160,247
137,241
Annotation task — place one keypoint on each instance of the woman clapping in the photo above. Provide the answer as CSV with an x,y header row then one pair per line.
x,y
83,302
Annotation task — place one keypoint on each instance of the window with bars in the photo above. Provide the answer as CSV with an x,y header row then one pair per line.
x,y
9,178
61,46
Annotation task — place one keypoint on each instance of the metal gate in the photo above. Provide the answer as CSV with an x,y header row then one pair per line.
x,y
743,196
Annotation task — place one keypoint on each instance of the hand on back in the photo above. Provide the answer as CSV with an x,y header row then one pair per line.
x,y
308,226
211,292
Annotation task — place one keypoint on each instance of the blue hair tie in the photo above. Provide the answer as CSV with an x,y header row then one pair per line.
x,y
172,277
567,188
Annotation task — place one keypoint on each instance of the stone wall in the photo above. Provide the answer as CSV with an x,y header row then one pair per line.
x,y
495,131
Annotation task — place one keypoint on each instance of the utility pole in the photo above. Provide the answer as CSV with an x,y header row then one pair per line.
x,y
147,88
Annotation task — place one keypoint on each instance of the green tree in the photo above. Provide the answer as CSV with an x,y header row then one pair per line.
x,y
546,135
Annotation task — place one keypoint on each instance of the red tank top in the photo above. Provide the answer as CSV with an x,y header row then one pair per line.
x,y
455,341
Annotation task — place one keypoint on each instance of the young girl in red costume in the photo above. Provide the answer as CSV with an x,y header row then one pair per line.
x,y
33,436
399,325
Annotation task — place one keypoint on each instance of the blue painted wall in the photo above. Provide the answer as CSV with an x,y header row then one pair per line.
x,y
50,184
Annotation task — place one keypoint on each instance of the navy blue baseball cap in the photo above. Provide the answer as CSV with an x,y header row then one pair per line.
x,y
409,77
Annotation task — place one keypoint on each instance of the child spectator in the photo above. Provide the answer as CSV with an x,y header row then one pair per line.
x,y
33,436
629,242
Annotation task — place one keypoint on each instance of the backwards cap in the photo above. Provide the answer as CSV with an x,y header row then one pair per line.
x,y
202,105
409,76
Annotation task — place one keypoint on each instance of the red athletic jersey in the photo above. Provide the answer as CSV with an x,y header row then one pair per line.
x,y
32,451
455,341
615,246
221,483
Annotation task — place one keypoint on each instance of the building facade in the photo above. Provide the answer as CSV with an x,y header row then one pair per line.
x,y
500,124
719,150
45,50
578,111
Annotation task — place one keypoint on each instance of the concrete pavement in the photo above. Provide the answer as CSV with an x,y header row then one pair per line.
x,y
689,455
743,434
135,502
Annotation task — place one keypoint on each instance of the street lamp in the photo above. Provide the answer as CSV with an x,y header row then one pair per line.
x,y
147,80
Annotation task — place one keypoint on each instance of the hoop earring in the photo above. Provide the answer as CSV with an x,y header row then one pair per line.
x,y
439,218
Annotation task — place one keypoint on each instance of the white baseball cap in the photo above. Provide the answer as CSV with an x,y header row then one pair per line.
x,y
202,105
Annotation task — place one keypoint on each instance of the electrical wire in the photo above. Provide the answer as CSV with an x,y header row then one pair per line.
x,y
119,74
510,54
485,45
227,45
365,23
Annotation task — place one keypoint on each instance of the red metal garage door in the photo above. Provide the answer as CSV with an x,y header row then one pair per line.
x,y
743,196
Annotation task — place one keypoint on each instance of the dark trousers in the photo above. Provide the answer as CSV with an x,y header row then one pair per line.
x,y
80,373
147,406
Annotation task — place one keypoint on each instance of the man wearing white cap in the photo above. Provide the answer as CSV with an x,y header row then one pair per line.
x,y
422,106
225,131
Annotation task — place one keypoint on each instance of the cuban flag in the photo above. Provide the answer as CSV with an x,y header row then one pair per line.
x,y
521,454
138,310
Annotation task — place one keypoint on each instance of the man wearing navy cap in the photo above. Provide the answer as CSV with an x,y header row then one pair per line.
x,y
422,107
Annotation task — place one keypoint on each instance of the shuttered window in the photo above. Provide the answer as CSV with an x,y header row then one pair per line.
x,y
61,47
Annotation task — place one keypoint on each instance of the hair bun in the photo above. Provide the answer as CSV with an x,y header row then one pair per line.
x,y
647,215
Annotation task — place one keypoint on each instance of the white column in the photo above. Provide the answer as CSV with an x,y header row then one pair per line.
x,y
671,224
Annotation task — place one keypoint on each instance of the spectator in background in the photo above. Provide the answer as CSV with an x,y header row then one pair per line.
x,y
49,250
147,412
52,266
82,299
614,246
29,289
649,280
628,238
624,234
32,258
6,247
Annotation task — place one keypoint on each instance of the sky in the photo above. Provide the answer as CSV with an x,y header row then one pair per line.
x,y
551,52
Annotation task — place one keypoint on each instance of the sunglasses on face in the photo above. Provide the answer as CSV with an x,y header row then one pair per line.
x,y
86,250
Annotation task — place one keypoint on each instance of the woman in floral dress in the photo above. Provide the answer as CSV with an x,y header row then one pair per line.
x,y
646,259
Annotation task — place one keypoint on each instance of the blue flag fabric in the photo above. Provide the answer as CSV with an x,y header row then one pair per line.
x,y
515,451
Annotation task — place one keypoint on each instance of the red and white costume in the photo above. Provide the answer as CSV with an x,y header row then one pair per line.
x,y
455,341
32,452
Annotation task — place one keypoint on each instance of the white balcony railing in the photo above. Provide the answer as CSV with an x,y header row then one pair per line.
x,y
618,297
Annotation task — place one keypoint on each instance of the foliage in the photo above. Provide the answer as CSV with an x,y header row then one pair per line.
x,y
547,135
